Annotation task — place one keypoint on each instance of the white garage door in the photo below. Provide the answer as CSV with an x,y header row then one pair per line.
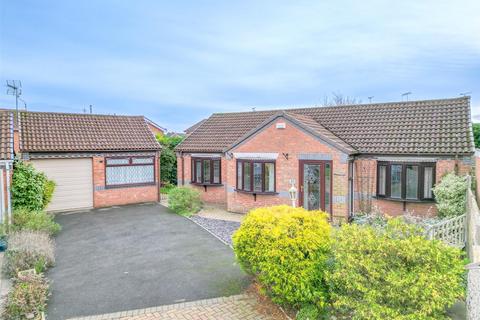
x,y
73,178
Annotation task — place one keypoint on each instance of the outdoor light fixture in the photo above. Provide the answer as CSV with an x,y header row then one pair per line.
x,y
293,193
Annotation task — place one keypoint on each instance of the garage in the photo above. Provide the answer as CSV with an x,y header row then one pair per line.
x,y
95,160
73,179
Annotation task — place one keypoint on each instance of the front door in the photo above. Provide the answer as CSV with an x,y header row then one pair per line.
x,y
316,185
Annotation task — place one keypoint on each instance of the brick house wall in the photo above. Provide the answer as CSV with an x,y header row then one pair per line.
x,y
210,194
297,143
120,196
365,187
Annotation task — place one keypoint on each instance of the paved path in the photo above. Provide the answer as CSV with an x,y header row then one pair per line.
x,y
134,257
239,307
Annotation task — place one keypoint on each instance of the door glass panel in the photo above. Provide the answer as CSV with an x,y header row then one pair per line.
x,y
246,176
269,177
412,182
257,177
328,173
396,181
311,186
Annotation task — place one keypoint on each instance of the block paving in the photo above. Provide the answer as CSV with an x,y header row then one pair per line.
x,y
239,307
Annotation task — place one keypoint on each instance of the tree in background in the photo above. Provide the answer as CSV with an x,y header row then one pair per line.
x,y
168,159
476,134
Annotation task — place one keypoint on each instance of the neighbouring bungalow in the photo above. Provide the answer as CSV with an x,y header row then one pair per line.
x,y
94,160
343,160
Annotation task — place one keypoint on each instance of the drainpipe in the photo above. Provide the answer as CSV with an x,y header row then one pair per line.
x,y
183,168
351,175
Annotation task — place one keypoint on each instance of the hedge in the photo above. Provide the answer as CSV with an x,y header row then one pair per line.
x,y
287,250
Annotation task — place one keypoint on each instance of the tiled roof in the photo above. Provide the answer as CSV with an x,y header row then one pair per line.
x,y
6,135
412,127
67,132
194,127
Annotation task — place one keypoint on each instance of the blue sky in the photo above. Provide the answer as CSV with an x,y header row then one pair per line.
x,y
178,61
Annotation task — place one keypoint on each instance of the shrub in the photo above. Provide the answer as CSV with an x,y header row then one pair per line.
x,y
451,195
287,250
30,189
308,312
394,273
27,298
23,219
29,250
184,200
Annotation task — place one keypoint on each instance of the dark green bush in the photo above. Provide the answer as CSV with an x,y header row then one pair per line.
x,y
27,298
30,189
23,219
393,273
184,200
287,249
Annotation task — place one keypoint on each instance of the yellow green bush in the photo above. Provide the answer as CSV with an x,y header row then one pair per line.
x,y
393,273
287,249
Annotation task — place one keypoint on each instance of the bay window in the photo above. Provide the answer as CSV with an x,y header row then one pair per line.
x,y
405,181
129,171
256,176
206,171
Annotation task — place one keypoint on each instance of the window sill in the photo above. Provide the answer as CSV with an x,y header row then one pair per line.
x,y
405,200
257,193
206,184
133,185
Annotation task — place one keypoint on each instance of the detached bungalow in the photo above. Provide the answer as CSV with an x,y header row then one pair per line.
x,y
343,160
95,160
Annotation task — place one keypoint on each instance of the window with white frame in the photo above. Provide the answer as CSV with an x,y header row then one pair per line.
x,y
129,171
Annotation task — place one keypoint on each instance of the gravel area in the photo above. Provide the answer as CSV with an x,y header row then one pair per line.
x,y
221,228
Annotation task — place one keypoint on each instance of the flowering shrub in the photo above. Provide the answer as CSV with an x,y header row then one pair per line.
x,y
451,195
287,249
393,273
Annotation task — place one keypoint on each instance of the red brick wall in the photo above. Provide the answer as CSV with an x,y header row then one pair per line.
x,y
365,180
293,141
119,196
155,130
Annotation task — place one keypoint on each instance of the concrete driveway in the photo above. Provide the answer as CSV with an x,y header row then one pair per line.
x,y
132,257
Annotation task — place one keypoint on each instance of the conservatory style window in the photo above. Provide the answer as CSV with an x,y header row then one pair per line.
x,y
206,171
256,176
405,181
